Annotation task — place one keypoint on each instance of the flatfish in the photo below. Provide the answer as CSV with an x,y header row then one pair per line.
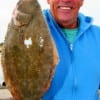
x,y
29,54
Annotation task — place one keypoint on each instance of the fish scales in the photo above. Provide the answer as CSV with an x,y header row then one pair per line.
x,y
29,55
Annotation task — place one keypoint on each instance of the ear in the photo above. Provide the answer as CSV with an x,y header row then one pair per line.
x,y
48,1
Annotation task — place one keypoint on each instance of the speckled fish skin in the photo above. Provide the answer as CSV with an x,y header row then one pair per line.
x,y
29,55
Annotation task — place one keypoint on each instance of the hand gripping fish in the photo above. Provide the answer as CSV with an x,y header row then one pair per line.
x,y
29,55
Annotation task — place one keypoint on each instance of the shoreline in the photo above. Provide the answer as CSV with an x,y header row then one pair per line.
x,y
5,94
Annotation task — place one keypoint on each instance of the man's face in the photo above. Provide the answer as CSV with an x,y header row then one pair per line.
x,y
65,11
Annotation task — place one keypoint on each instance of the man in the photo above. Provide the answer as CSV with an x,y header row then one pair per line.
x,y
77,76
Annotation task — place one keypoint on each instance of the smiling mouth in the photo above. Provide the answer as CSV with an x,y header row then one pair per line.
x,y
65,7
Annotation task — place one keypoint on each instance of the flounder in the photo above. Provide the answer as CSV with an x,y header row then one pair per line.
x,y
29,54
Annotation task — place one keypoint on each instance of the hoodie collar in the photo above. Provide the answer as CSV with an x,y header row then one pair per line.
x,y
84,22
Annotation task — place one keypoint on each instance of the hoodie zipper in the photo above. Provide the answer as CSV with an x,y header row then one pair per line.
x,y
73,73
71,47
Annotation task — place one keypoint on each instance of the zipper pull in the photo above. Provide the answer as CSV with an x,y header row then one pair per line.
x,y
71,47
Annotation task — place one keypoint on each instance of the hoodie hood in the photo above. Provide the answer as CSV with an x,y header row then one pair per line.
x,y
84,22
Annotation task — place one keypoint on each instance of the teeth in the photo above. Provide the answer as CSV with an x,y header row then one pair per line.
x,y
67,8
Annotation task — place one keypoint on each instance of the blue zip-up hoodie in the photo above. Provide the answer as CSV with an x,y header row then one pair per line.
x,y
77,75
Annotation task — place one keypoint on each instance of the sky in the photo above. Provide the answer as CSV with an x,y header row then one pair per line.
x,y
91,8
